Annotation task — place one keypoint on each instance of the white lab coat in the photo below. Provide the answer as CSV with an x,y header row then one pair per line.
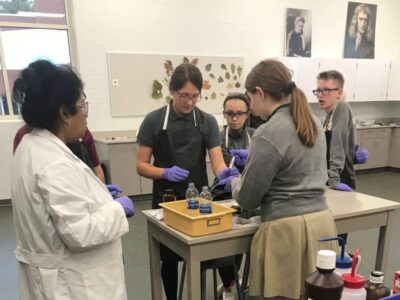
x,y
67,224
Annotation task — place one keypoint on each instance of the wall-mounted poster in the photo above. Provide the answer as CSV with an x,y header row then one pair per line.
x,y
360,30
298,32
139,82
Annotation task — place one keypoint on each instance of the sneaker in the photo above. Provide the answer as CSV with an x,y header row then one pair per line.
x,y
228,296
220,290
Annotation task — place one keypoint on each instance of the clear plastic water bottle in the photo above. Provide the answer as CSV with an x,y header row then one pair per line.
x,y
191,196
206,207
205,193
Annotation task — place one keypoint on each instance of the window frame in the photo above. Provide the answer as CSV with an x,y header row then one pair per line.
x,y
71,43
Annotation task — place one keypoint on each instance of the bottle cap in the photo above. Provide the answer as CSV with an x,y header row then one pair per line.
x,y
204,189
191,184
343,262
376,277
326,259
353,282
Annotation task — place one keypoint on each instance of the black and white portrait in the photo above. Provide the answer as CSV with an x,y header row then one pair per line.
x,y
298,32
360,30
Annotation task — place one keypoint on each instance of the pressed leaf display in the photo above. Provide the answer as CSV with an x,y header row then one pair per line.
x,y
233,68
157,90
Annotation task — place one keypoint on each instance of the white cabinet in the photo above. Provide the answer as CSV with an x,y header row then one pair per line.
x,y
394,160
120,160
146,185
305,71
308,69
372,78
393,92
365,79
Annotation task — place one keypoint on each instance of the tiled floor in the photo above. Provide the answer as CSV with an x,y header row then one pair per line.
x,y
382,184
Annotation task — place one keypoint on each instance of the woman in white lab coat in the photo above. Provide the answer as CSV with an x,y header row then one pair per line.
x,y
67,224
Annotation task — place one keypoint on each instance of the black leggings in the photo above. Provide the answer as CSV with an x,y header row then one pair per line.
x,y
169,274
169,271
227,274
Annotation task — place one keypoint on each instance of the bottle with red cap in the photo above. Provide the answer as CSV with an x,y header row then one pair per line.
x,y
354,283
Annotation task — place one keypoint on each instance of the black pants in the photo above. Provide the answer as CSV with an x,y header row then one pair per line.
x,y
227,274
169,271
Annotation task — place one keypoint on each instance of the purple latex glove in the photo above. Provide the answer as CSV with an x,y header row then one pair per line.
x,y
127,205
114,189
225,173
175,174
361,155
240,156
343,187
227,183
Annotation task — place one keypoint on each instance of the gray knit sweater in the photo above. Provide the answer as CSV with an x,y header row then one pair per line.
x,y
283,176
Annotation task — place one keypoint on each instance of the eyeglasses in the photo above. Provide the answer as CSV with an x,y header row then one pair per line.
x,y
324,91
231,114
84,108
186,97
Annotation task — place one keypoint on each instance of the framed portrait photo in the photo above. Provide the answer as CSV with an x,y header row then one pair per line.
x,y
298,32
359,39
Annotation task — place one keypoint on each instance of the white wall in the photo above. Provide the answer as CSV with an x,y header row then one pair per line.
x,y
253,29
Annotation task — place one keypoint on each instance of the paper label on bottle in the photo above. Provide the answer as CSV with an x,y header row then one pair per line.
x,y
397,283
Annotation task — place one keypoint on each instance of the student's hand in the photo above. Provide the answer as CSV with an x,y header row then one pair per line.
x,y
225,173
127,205
175,174
114,189
240,156
361,155
343,187
227,182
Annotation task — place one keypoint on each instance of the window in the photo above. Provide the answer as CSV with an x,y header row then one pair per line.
x,y
29,30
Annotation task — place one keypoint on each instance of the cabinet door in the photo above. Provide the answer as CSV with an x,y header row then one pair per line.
x,y
146,185
394,160
305,71
122,159
371,80
383,146
373,160
308,69
394,79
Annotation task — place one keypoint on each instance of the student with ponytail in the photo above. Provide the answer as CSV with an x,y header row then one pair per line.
x,y
285,175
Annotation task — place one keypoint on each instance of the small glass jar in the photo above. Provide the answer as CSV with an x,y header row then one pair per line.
x,y
169,195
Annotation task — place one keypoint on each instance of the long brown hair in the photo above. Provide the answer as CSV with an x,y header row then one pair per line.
x,y
274,78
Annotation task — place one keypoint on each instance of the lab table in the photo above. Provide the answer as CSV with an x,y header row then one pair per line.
x,y
352,212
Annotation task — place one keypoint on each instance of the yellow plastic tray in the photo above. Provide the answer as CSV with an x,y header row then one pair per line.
x,y
192,222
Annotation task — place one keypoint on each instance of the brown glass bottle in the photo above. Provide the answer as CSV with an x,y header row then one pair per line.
x,y
324,284
375,287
